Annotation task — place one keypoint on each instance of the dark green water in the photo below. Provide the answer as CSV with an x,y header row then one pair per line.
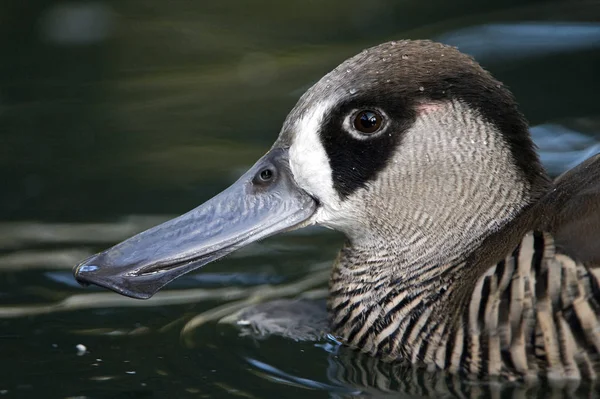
x,y
117,114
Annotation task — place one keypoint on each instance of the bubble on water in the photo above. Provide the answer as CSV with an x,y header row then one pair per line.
x,y
421,88
352,91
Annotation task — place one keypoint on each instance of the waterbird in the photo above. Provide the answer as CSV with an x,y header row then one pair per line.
x,y
461,254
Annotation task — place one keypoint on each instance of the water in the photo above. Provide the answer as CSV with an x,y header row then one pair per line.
x,y
117,115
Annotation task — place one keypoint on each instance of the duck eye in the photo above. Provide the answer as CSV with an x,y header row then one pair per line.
x,y
266,174
368,121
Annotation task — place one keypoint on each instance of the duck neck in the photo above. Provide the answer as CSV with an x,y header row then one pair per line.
x,y
377,299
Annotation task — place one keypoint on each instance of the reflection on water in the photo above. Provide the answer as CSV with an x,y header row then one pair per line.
x,y
562,148
504,42
76,24
377,379
110,109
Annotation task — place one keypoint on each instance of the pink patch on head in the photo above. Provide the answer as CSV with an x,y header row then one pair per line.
x,y
429,107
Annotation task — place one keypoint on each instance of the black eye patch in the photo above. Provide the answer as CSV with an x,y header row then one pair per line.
x,y
353,161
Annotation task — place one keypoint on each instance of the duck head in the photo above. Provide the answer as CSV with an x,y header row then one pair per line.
x,y
408,148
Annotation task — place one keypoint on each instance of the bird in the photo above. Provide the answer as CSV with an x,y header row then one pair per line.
x,y
461,253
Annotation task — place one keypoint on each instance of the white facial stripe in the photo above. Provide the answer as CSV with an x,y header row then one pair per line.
x,y
308,160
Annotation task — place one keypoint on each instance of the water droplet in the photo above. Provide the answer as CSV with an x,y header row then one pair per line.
x,y
421,88
81,349
442,54
130,372
383,59
352,91
388,81
348,70
404,56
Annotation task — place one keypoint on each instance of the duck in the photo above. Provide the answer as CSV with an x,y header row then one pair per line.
x,y
461,254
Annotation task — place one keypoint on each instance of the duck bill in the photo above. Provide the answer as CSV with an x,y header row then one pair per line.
x,y
258,205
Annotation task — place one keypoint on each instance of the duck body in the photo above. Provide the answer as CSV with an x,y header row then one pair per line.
x,y
461,253
534,312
